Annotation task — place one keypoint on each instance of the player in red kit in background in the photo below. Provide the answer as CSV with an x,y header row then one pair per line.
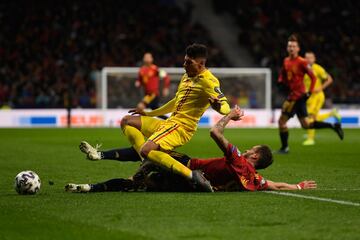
x,y
149,78
292,74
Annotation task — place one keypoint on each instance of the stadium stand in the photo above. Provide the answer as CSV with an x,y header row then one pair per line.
x,y
326,27
49,47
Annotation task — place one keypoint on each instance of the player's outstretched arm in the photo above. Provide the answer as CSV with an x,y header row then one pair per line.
x,y
216,98
220,105
278,186
329,80
217,132
164,109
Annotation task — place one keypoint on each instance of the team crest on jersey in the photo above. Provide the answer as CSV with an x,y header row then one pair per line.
x,y
217,90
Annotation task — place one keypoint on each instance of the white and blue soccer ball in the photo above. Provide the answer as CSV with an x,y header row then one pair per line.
x,y
27,182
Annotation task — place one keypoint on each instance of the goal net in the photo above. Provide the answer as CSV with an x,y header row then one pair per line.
x,y
247,87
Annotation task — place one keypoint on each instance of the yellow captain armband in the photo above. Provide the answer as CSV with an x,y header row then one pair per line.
x,y
225,108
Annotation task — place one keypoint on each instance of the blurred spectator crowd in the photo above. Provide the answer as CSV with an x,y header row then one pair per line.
x,y
51,51
329,28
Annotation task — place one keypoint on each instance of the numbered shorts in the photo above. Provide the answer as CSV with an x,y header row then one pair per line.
x,y
167,134
292,107
315,103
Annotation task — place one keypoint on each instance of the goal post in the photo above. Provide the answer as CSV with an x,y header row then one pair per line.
x,y
248,87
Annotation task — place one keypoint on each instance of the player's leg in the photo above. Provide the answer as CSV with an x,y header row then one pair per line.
x,y
313,106
321,125
332,113
284,134
301,112
302,115
310,134
164,181
286,113
112,185
151,151
131,126
119,154
136,127
169,136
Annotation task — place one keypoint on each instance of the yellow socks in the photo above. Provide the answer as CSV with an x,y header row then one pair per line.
x,y
170,163
322,117
311,134
135,137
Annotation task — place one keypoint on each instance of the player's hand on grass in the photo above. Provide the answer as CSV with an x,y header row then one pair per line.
x,y
307,184
236,113
137,111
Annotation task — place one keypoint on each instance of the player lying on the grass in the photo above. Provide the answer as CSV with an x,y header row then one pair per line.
x,y
292,76
233,172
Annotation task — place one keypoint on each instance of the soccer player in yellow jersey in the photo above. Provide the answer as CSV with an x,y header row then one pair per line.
x,y
198,89
317,98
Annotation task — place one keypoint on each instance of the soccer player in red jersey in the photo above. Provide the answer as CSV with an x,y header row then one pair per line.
x,y
292,75
233,172
237,171
149,78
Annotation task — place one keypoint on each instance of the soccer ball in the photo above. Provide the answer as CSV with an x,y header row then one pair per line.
x,y
27,182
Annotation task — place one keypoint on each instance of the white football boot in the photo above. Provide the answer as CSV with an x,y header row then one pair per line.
x,y
77,188
90,151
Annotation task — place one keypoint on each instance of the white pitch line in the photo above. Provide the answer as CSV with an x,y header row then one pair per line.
x,y
315,198
336,189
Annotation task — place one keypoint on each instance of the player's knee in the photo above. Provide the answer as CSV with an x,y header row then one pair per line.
x,y
281,123
305,125
125,121
144,151
147,148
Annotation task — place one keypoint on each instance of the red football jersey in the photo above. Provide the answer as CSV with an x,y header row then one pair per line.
x,y
292,75
149,78
232,167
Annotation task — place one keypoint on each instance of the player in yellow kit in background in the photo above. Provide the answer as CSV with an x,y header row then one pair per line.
x,y
198,89
317,98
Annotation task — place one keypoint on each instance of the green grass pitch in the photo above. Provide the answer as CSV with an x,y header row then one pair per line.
x,y
55,214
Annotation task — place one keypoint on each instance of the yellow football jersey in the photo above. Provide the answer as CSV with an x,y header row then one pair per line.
x,y
192,99
320,74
